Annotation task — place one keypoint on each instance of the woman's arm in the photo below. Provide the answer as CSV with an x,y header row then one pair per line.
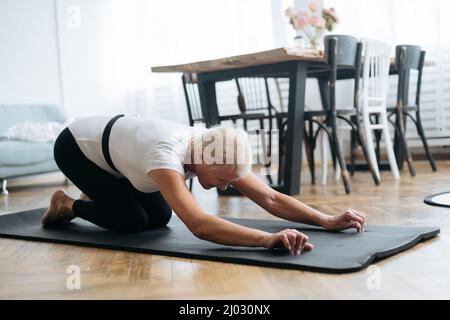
x,y
202,225
215,229
288,208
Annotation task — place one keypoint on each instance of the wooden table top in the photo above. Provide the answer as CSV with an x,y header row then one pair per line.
x,y
246,60
252,59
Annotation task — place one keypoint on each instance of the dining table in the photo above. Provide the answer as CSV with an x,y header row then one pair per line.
x,y
295,64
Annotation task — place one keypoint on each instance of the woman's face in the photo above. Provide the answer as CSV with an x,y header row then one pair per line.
x,y
219,176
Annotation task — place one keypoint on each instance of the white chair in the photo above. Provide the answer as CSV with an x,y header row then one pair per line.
x,y
373,95
374,92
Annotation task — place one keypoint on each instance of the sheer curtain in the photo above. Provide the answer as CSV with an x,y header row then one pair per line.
x,y
107,55
175,32
420,22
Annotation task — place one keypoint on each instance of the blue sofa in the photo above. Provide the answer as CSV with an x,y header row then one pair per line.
x,y
21,158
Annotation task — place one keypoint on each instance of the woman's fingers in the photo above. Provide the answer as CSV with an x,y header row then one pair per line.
x,y
305,240
299,244
362,217
300,241
285,241
356,225
350,216
360,214
294,241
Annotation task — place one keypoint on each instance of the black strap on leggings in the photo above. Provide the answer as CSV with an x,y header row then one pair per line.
x,y
105,141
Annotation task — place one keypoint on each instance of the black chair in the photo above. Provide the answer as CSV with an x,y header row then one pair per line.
x,y
342,52
408,58
255,103
193,104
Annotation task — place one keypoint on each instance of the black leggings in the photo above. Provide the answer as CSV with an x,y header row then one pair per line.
x,y
116,205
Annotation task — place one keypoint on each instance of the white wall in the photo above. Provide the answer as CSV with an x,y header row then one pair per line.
x,y
98,46
29,70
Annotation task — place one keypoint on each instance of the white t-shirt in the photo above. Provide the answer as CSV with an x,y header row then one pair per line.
x,y
137,145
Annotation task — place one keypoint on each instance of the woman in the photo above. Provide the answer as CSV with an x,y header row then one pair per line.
x,y
132,172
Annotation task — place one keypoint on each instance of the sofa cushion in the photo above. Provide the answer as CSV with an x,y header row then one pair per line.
x,y
17,171
20,153
16,113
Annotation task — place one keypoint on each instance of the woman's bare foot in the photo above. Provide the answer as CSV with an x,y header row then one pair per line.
x,y
84,197
60,209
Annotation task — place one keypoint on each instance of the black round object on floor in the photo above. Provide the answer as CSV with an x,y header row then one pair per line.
x,y
440,199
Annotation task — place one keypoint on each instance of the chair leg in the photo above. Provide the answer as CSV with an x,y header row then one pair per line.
x,y
312,148
340,156
389,147
324,148
266,159
404,144
366,141
337,168
378,138
337,171
280,128
421,133
261,124
352,153
4,189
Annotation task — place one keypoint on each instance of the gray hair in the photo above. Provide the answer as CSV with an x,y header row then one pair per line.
x,y
224,146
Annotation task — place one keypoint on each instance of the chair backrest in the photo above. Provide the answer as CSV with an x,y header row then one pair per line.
x,y
342,51
408,58
346,50
375,75
253,94
280,90
192,98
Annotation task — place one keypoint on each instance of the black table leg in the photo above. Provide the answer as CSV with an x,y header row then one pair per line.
x,y
295,128
208,101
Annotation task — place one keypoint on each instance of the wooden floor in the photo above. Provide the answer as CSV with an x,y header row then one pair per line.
x,y
34,270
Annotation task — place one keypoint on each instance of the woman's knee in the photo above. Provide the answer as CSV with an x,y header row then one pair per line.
x,y
161,218
132,224
123,216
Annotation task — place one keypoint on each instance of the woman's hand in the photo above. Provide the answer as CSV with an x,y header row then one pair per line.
x,y
349,219
291,239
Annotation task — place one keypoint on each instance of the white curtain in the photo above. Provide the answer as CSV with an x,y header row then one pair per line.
x,y
107,54
176,31
419,22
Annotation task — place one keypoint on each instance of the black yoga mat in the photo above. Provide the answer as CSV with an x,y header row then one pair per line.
x,y
335,252
438,200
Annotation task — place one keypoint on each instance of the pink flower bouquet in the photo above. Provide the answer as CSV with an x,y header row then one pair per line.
x,y
312,23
